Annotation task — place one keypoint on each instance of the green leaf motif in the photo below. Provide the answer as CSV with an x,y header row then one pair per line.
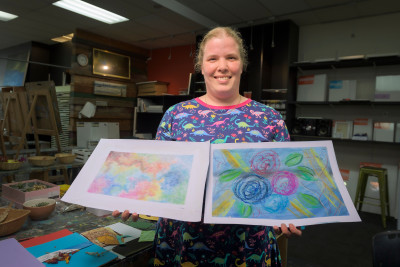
x,y
306,173
309,201
229,175
245,210
293,159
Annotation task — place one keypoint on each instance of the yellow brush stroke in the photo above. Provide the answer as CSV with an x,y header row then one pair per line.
x,y
235,160
231,159
243,165
223,204
325,185
330,200
322,166
303,208
298,209
293,213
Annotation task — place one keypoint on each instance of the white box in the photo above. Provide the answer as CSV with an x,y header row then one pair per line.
x,y
362,129
312,88
88,134
82,155
342,129
384,131
342,90
387,88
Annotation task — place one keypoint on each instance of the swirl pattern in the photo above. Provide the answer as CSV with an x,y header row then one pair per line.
x,y
252,188
285,183
265,162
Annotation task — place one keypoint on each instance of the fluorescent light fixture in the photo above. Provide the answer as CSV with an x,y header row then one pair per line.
x,y
90,11
64,38
183,10
4,16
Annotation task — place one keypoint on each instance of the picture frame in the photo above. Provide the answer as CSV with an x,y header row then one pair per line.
x,y
111,64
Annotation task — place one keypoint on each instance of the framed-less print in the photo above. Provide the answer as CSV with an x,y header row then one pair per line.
x,y
111,64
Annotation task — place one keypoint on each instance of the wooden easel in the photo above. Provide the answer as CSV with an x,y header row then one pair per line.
x,y
14,119
31,119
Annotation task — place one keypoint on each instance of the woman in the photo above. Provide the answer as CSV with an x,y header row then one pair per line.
x,y
222,115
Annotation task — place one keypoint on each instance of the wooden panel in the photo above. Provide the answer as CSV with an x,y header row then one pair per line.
x,y
111,102
85,84
106,112
82,36
124,125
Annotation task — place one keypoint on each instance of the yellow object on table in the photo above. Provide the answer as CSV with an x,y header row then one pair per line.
x,y
151,218
63,189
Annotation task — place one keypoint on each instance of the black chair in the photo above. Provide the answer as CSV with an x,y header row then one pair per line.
x,y
386,249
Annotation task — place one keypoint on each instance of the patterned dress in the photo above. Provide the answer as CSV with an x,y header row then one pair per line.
x,y
179,243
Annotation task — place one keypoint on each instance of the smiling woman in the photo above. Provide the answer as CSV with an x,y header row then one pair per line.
x,y
222,115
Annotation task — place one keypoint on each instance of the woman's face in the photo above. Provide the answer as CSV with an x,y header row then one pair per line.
x,y
222,66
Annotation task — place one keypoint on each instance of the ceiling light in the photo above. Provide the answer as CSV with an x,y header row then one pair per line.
x,y
4,16
90,11
64,38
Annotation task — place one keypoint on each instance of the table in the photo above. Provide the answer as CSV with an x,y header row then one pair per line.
x,y
80,221
28,168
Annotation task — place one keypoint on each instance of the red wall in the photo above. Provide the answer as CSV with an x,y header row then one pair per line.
x,y
175,70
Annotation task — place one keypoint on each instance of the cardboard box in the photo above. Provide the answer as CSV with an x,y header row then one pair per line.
x,y
152,88
362,129
19,197
387,88
384,131
312,88
342,129
342,90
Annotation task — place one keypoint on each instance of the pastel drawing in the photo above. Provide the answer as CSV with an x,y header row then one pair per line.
x,y
279,183
141,176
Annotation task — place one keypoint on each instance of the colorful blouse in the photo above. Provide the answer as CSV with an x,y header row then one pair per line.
x,y
179,243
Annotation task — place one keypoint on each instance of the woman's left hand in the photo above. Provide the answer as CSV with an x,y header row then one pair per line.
x,y
292,230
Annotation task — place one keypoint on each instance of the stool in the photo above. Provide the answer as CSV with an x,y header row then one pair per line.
x,y
381,174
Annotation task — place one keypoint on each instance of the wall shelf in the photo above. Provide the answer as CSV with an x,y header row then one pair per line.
x,y
320,138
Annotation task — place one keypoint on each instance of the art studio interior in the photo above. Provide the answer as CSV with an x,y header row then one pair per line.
x,y
76,87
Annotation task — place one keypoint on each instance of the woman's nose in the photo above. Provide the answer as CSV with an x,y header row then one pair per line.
x,y
222,65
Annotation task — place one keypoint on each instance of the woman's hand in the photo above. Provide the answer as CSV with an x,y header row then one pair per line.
x,y
125,215
292,230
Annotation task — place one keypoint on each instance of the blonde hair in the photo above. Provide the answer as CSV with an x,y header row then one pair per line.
x,y
219,32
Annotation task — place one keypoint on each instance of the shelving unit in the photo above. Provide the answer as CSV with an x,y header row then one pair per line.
x,y
275,98
147,122
363,69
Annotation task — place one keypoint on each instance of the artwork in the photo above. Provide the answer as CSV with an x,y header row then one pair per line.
x,y
110,64
158,178
274,183
143,176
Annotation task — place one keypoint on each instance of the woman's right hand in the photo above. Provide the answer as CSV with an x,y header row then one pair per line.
x,y
125,215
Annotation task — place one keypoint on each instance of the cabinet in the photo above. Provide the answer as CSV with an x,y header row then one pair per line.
x,y
150,110
364,70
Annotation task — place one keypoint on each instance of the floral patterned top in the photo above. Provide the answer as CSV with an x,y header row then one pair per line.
x,y
179,243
